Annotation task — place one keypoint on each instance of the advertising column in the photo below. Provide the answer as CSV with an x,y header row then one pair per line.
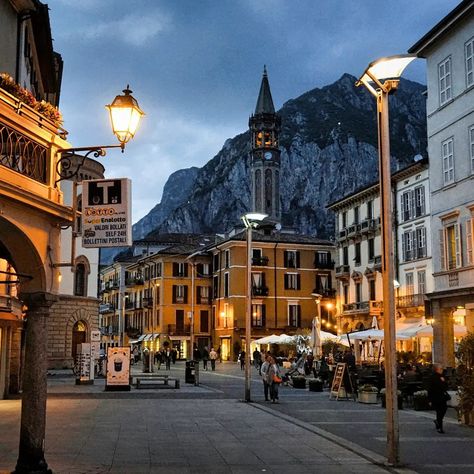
x,y
118,369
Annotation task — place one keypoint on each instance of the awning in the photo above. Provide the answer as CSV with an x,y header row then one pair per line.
x,y
140,339
145,337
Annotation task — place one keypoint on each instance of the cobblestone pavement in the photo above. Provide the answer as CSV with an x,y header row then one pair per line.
x,y
208,429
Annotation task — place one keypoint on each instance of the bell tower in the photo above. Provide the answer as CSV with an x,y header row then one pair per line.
x,y
265,126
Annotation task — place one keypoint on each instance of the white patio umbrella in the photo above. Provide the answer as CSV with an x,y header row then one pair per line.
x,y
272,339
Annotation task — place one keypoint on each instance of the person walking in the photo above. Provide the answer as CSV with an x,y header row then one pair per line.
x,y
264,373
205,358
256,358
438,395
213,357
242,360
272,378
167,358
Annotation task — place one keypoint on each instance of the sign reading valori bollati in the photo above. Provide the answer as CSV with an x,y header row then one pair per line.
x,y
106,213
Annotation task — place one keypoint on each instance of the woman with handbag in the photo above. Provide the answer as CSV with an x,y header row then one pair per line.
x,y
438,395
274,378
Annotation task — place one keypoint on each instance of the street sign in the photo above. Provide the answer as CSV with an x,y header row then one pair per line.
x,y
106,213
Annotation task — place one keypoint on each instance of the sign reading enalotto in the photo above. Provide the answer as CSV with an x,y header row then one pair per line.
x,y
106,213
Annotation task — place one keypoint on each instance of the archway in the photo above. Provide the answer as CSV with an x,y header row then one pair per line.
x,y
360,327
79,335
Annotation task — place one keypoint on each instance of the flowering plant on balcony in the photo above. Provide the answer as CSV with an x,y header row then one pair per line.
x,y
24,95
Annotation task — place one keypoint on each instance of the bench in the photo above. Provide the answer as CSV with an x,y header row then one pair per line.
x,y
156,381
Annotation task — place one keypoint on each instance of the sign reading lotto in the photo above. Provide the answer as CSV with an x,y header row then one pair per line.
x,y
106,214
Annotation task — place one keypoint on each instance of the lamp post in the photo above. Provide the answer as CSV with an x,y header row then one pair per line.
x,y
125,115
381,78
316,330
251,221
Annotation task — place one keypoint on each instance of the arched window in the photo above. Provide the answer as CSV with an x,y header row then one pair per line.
x,y
81,273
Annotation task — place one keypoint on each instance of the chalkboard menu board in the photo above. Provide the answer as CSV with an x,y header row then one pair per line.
x,y
337,388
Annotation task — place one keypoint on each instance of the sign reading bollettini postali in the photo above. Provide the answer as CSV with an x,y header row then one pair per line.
x,y
106,213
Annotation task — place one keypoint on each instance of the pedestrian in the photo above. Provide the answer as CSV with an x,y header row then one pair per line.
x,y
213,356
205,358
219,354
323,372
174,355
264,373
242,360
158,359
274,378
196,354
308,368
438,395
257,358
166,356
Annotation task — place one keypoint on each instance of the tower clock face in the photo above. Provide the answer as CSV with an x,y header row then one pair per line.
x,y
268,155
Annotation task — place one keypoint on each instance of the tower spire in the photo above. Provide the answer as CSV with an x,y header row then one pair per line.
x,y
265,101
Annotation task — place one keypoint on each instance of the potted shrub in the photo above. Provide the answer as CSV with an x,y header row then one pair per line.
x,y
399,399
315,385
298,381
466,379
420,400
367,394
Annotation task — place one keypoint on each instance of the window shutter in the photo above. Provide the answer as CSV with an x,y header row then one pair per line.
x,y
185,266
174,294
457,235
404,248
469,234
297,259
185,296
198,295
414,245
298,282
175,269
422,242
264,315
286,281
442,253
285,258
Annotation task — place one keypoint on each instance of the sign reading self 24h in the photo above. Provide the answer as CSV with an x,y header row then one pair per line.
x,y
106,214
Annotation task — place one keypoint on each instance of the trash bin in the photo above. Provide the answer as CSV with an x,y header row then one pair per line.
x,y
190,372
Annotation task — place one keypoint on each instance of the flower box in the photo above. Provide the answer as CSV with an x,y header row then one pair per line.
x,y
367,397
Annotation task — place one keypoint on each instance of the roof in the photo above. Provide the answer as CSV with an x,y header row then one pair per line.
x,y
450,21
265,101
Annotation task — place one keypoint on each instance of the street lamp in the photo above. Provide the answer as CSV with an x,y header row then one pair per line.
x,y
316,326
251,221
125,115
389,71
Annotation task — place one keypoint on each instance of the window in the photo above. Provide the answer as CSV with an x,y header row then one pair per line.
x,y
227,258
444,76
410,288
158,269
180,294
370,209
258,315
202,294
420,240
292,281
323,283
447,155
180,269
294,315
450,247
407,206
357,254
203,270
224,315
470,241
345,291
292,259
358,292
345,255
204,321
215,286
372,289
80,288
356,215
421,282
419,201
471,147
322,258
215,262
371,248
469,53
226,285
256,254
344,219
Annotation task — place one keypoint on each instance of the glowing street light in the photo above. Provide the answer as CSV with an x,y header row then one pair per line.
x,y
381,78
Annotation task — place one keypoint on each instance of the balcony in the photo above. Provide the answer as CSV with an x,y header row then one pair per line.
x,y
369,225
129,304
358,307
260,291
343,271
106,308
178,330
260,261
375,307
410,301
324,265
342,234
325,292
352,230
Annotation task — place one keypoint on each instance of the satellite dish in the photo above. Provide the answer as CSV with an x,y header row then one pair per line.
x,y
417,158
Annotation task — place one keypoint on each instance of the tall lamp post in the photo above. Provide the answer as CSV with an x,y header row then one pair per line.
x,y
382,78
251,221
316,329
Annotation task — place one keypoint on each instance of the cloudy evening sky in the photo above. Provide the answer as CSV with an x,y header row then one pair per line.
x,y
195,67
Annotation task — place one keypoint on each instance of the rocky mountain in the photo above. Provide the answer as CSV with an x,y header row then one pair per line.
x,y
329,149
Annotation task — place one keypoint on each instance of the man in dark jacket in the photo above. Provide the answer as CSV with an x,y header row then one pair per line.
x,y
438,395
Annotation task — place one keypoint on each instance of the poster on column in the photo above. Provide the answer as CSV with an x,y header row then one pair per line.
x,y
106,213
118,368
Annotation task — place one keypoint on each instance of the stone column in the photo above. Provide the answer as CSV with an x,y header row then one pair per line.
x,y
33,407
443,335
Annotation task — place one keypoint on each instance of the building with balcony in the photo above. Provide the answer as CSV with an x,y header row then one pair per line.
x,y
449,52
286,270
359,263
